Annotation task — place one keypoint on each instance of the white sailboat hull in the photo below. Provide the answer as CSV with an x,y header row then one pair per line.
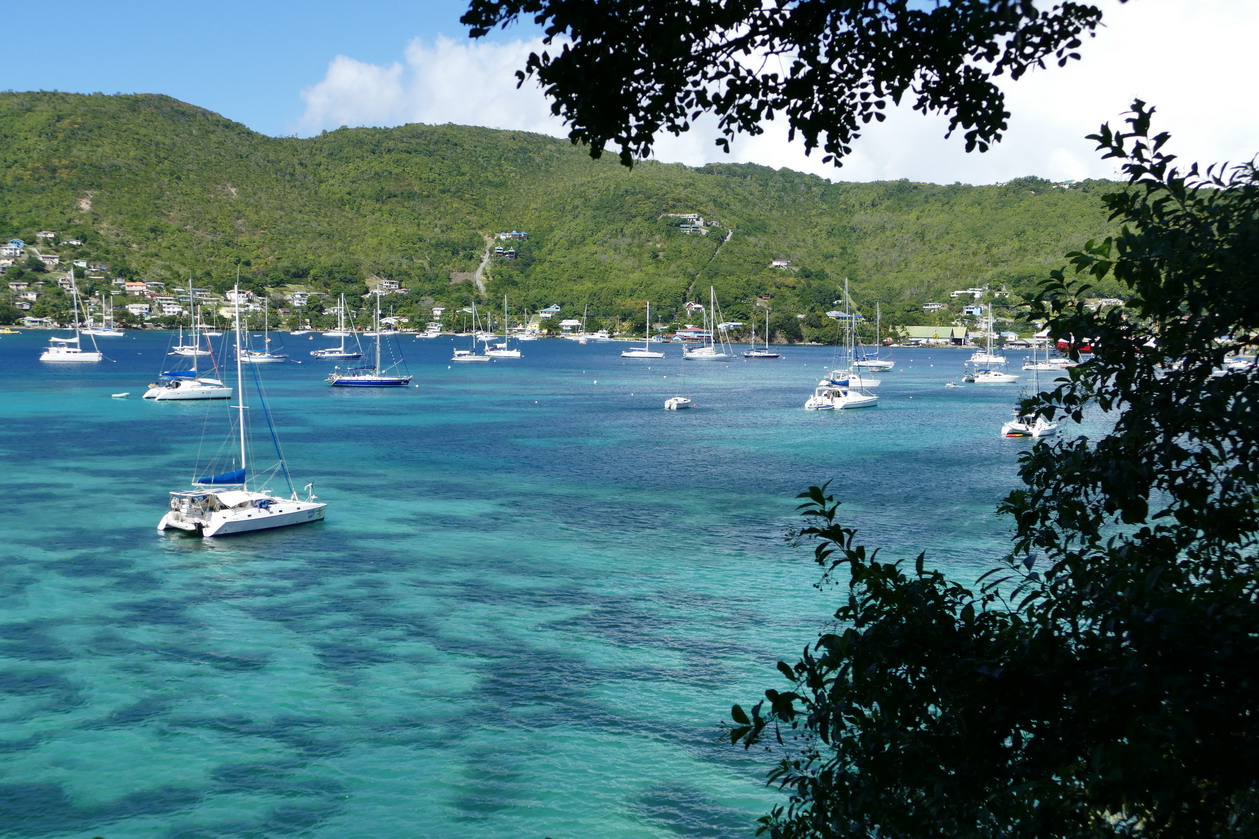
x,y
1036,427
833,398
69,354
259,511
704,354
845,378
873,364
641,353
185,389
994,377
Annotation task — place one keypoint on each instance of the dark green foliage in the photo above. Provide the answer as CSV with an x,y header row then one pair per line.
x,y
628,70
1104,682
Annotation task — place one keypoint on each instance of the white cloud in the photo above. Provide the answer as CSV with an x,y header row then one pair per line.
x,y
467,83
1190,58
353,93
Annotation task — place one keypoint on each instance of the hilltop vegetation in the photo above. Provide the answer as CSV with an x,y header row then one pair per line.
x,y
162,190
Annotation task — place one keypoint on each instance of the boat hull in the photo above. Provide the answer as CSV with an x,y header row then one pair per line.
x,y
183,390
70,357
832,398
1023,427
230,522
857,380
369,381
991,377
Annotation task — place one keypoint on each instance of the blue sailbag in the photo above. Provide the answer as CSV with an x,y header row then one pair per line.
x,y
237,477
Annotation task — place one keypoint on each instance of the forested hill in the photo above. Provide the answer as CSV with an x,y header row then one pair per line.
x,y
159,189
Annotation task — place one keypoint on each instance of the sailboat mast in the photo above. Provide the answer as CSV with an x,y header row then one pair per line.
x,y
240,382
196,341
377,293
712,317
74,300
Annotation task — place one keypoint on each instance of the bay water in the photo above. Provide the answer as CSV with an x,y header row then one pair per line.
x,y
534,599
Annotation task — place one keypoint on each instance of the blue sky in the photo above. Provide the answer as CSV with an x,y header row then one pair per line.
x,y
288,69
248,61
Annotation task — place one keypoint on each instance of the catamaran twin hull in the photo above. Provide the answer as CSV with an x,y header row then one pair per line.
x,y
64,354
236,511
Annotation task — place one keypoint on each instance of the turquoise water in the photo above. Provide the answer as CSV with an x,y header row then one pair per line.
x,y
535,597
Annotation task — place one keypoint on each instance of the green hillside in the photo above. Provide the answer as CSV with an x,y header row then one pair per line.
x,y
161,190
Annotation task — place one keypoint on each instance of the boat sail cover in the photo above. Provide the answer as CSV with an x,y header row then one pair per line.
x,y
237,477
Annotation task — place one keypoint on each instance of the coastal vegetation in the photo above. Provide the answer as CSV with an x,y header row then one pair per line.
x,y
1100,681
159,190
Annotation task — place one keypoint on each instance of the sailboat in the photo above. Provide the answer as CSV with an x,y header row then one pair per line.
x,y
1028,425
988,366
645,351
1054,365
1031,424
679,403
339,351
874,361
502,350
234,501
184,384
832,393
710,351
264,355
759,353
471,356
71,349
206,329
192,348
847,374
107,328
376,375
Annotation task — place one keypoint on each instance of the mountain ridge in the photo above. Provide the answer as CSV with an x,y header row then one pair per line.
x,y
161,189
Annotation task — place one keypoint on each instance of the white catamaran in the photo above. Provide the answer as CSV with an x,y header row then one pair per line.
x,y
235,501
71,349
